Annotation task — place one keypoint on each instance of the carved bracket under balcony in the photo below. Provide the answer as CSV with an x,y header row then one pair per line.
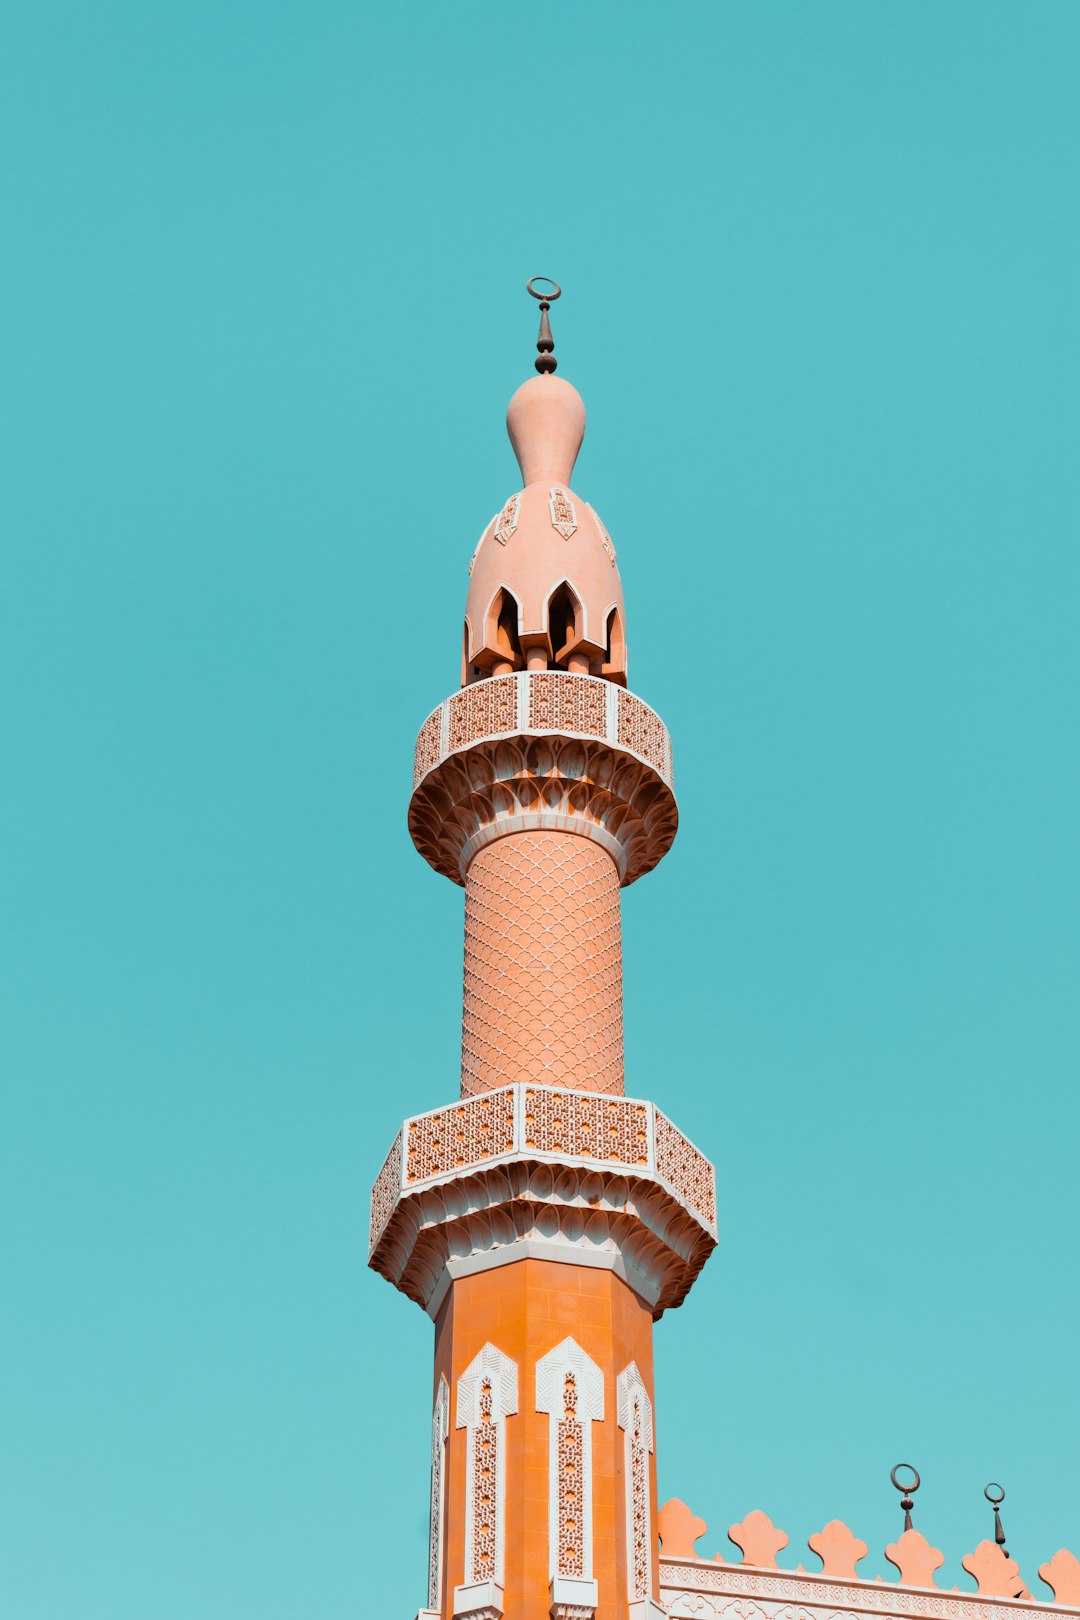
x,y
543,750
546,1173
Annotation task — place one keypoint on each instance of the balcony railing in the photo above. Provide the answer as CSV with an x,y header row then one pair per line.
x,y
550,1124
539,701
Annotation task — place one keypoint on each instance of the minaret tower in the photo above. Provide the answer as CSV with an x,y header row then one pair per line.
x,y
545,1220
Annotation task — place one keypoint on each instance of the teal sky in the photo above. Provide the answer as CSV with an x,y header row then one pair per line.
x,y
261,309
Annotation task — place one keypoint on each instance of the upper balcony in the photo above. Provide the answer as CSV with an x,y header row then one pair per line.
x,y
543,749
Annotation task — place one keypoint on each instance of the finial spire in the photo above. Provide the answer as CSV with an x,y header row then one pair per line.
x,y
545,362
995,1495
907,1490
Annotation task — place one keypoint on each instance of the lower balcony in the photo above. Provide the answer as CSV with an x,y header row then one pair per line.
x,y
542,1171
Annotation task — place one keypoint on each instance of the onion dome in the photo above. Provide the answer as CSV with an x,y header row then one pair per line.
x,y
544,590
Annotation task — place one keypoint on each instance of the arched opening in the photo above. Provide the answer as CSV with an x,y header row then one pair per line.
x,y
565,622
501,652
614,646
506,638
466,673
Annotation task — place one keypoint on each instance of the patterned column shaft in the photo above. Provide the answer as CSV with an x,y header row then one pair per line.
x,y
543,965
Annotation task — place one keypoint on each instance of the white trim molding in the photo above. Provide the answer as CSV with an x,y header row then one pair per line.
x,y
635,1418
487,1394
440,1428
570,1389
572,1599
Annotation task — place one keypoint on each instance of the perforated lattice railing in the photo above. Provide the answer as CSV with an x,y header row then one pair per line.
x,y
543,701
550,1123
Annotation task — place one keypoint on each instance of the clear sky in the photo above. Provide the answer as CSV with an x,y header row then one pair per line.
x,y
261,309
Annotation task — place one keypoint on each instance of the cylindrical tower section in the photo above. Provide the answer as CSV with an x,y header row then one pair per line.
x,y
543,965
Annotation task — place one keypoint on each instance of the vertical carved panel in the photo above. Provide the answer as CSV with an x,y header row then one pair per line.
x,y
570,1389
440,1427
574,1502
506,527
563,516
636,1420
487,1394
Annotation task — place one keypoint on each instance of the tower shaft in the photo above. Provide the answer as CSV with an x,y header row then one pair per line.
x,y
544,1220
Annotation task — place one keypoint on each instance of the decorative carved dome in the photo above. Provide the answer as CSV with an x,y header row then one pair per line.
x,y
545,591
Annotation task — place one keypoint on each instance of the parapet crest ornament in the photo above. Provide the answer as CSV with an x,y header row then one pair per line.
x,y
997,1576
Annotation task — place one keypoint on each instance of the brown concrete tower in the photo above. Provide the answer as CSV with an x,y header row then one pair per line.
x,y
545,1220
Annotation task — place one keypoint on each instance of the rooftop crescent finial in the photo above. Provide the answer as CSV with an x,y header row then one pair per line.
x,y
995,1495
545,362
907,1490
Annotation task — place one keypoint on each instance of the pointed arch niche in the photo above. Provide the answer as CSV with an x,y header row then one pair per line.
x,y
566,629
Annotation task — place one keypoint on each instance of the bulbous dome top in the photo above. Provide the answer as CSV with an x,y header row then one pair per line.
x,y
546,423
545,591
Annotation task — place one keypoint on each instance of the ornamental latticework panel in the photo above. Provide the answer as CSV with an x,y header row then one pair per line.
x,y
567,703
387,1188
428,752
571,1483
641,1559
542,994
482,710
465,1133
614,1130
688,1171
485,1488
643,730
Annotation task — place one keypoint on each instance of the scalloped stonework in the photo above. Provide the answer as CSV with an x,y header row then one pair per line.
x,y
542,1000
534,784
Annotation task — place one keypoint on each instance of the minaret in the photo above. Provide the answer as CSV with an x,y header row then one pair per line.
x,y
545,1220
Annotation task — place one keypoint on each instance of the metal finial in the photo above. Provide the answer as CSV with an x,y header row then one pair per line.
x,y
908,1488
995,1502
545,343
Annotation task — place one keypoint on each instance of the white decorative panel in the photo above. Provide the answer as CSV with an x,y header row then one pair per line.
x,y
570,1389
636,1420
563,515
487,1394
